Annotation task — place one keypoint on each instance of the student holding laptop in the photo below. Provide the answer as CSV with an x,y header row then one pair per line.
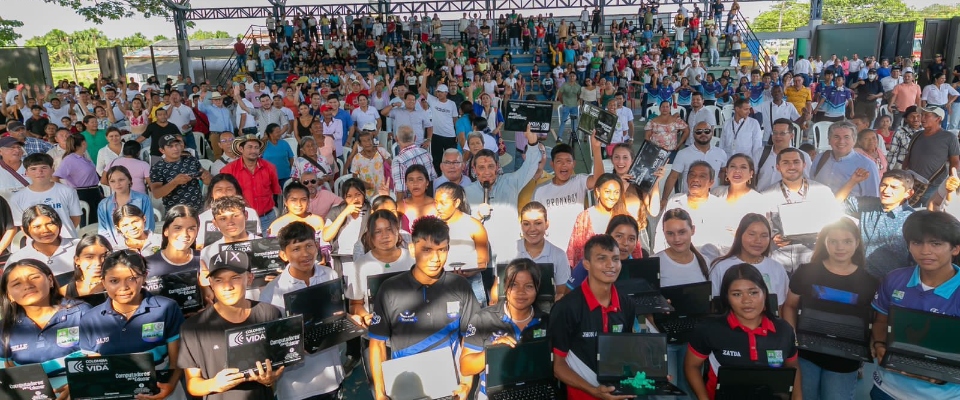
x,y
203,353
319,376
135,321
746,334
930,286
508,323
30,298
593,307
421,310
836,275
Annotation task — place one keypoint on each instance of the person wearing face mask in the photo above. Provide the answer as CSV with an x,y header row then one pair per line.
x,y
868,91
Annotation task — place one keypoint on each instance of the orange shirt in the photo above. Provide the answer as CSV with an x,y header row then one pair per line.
x,y
907,95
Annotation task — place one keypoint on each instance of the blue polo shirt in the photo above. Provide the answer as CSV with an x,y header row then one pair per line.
x,y
902,287
154,325
835,101
756,94
47,346
710,90
347,121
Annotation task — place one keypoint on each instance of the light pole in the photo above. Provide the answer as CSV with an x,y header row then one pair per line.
x,y
73,63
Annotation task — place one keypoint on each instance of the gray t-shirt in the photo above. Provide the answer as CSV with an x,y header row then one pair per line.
x,y
929,153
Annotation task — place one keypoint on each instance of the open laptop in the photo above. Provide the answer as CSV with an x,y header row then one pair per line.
x,y
375,281
428,375
691,304
546,293
280,341
842,331
264,255
524,372
325,315
739,383
923,343
640,280
119,376
181,286
622,355
27,382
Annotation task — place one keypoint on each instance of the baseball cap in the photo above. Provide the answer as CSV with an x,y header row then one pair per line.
x,y
442,88
9,141
14,125
872,71
230,260
325,108
369,126
167,139
934,110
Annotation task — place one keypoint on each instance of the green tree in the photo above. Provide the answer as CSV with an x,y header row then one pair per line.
x,y
8,34
834,12
81,46
100,10
137,40
159,38
202,34
785,16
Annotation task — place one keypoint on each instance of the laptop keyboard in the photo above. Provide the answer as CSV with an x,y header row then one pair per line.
x,y
682,325
650,301
835,329
318,332
808,341
541,391
923,364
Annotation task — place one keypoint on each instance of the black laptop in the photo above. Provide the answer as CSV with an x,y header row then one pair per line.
x,y
264,255
843,331
280,341
181,286
621,356
375,281
27,382
739,383
119,376
691,304
524,372
325,315
640,280
546,293
923,343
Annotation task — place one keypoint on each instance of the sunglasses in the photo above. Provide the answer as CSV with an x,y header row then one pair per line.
x,y
309,181
703,131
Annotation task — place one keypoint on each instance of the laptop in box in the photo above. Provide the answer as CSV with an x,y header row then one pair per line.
x,y
640,280
428,375
524,372
923,343
691,304
546,294
280,341
622,355
27,382
842,331
325,315
739,383
118,376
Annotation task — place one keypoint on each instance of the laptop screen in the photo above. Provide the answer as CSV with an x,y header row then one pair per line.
x,y
692,299
933,334
647,269
374,282
624,354
528,362
316,303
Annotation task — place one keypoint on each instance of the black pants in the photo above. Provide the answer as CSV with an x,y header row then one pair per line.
x,y
438,145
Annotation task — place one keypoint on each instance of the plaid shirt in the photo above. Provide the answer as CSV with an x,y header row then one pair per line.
x,y
410,155
33,146
899,146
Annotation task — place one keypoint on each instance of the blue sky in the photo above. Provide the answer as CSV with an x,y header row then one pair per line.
x,y
37,16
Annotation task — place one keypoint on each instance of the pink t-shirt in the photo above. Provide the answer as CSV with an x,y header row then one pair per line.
x,y
139,170
324,201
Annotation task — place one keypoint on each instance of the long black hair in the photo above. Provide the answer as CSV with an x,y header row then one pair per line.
x,y
456,192
737,247
747,272
87,241
9,309
178,211
208,199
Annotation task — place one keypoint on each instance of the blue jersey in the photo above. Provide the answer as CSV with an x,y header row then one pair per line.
x,y
154,325
47,346
653,94
684,96
835,101
756,94
710,90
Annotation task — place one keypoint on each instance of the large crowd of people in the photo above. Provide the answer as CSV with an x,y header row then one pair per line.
x,y
117,183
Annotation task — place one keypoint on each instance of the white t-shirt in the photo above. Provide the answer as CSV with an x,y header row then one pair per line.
x,y
773,273
443,114
61,197
363,117
10,184
689,155
180,116
674,274
366,266
60,262
563,203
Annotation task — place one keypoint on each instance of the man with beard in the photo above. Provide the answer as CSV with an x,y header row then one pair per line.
x,y
767,169
700,151
563,196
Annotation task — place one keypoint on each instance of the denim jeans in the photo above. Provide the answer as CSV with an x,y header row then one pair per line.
x,y
818,383
268,77
514,44
476,283
675,355
954,116
567,112
877,394
267,219
714,57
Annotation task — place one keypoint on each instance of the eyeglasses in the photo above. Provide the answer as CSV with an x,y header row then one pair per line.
x,y
781,133
226,140
309,181
451,162
703,131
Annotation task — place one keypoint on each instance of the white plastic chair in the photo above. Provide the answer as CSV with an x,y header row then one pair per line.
x,y
157,218
206,164
725,114
337,185
820,139
19,239
797,136
85,208
716,113
202,145
293,143
87,230
145,154
106,190
652,112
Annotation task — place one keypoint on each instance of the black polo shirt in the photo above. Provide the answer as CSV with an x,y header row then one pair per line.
x,y
725,341
417,317
575,322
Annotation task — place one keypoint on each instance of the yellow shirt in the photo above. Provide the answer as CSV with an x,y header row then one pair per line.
x,y
153,111
798,97
526,194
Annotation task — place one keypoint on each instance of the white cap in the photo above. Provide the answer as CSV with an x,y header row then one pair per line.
x,y
442,88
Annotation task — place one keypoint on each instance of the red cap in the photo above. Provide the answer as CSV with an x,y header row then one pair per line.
x,y
325,108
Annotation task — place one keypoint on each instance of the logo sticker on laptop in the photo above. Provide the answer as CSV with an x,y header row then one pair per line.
x,y
775,358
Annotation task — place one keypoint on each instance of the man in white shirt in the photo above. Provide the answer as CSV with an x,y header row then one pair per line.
x,y
890,82
695,74
43,190
451,169
623,132
182,116
767,169
564,196
462,28
775,109
700,150
443,113
698,113
803,68
939,94
741,134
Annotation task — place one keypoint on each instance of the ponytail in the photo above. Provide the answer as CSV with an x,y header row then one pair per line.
x,y
702,262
